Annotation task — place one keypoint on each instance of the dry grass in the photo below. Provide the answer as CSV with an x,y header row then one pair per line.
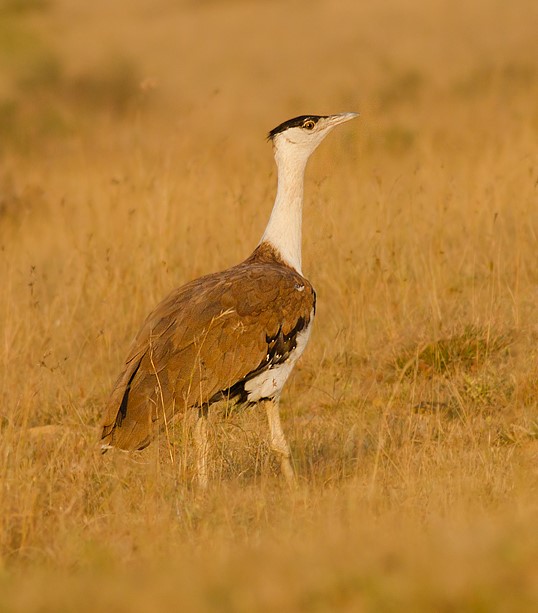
x,y
135,164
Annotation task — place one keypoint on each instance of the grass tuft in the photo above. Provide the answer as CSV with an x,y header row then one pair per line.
x,y
468,350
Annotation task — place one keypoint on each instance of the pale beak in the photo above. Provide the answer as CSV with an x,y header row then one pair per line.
x,y
335,120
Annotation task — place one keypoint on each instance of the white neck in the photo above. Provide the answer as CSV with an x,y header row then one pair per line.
x,y
283,231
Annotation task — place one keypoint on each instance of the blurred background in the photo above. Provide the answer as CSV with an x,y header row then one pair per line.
x,y
233,65
132,159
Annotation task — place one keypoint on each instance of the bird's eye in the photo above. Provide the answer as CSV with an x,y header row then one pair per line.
x,y
309,124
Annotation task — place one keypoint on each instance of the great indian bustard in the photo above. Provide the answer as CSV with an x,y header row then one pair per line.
x,y
233,335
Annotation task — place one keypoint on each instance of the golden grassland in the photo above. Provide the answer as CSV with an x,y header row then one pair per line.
x,y
132,159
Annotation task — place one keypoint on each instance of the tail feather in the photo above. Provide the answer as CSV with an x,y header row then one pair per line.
x,y
128,422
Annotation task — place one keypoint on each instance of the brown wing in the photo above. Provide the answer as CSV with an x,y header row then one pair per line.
x,y
203,342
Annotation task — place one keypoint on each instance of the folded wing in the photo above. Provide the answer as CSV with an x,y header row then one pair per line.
x,y
203,343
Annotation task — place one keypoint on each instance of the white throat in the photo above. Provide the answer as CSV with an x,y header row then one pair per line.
x,y
283,231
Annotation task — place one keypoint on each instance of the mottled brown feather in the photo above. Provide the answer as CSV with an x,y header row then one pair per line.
x,y
201,340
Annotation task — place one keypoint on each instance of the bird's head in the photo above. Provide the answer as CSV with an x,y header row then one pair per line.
x,y
299,137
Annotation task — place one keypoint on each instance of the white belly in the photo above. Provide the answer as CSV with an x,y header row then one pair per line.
x,y
269,383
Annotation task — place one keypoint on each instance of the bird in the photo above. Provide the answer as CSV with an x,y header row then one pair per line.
x,y
233,335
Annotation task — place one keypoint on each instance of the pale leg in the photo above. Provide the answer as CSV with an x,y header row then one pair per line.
x,y
278,440
202,449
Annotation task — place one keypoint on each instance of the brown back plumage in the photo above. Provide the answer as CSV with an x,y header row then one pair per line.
x,y
204,341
